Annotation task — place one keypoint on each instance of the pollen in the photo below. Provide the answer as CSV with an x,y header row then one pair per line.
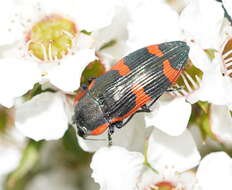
x,y
51,38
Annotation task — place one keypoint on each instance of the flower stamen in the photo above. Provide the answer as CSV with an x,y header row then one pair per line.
x,y
52,38
227,54
227,57
189,81
50,51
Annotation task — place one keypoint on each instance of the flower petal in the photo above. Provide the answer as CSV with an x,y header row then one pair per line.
x,y
116,168
179,153
16,78
67,75
93,15
221,123
132,136
228,6
42,117
198,57
215,88
197,22
146,26
178,113
150,180
11,29
215,171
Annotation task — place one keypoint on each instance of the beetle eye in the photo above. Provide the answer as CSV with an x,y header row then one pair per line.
x,y
81,132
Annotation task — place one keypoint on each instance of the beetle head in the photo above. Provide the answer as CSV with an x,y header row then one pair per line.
x,y
88,117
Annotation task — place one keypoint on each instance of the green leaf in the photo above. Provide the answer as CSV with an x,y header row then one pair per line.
x,y
210,53
108,44
37,89
3,119
86,32
204,106
93,70
200,116
73,154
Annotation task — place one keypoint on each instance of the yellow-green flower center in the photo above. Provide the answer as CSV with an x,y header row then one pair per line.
x,y
51,38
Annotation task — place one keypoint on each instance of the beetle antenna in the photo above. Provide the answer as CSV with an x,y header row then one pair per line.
x,y
94,139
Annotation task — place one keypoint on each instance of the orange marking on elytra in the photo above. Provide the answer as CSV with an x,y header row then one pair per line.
x,y
154,49
171,73
121,67
79,96
99,130
141,99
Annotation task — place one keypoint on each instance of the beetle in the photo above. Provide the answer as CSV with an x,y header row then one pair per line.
x,y
131,86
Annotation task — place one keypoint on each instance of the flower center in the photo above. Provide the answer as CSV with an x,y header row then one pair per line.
x,y
164,185
227,57
51,38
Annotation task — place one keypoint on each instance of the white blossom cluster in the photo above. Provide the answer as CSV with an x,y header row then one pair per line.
x,y
49,44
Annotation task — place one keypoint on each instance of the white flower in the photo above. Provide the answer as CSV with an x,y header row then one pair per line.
x,y
179,153
215,171
152,22
42,117
221,124
216,84
50,37
203,26
89,15
127,167
16,78
115,168
215,88
170,116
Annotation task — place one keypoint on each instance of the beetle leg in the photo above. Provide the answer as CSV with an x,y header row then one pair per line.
x,y
118,124
144,108
172,89
110,132
124,123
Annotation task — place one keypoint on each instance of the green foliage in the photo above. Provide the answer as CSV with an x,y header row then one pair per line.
x,y
108,44
74,155
3,119
37,89
210,53
30,157
93,70
200,116
86,32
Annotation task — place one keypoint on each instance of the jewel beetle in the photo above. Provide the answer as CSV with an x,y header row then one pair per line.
x,y
131,86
